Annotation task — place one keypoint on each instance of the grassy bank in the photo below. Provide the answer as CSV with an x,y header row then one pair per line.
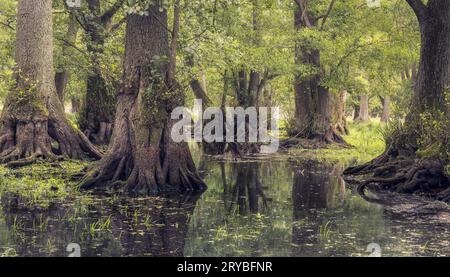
x,y
366,141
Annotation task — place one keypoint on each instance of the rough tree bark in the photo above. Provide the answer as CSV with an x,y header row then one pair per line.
x,y
313,111
142,157
33,117
399,168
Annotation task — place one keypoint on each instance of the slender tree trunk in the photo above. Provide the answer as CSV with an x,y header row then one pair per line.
x,y
33,116
355,111
142,157
62,75
249,84
363,115
386,108
75,105
199,89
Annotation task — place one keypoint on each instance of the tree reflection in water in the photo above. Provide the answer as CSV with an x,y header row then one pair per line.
x,y
316,188
246,192
124,227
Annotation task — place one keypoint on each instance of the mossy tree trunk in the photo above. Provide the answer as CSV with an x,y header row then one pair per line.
x,y
97,113
142,157
33,119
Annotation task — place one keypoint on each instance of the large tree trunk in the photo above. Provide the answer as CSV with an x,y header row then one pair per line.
x,y
313,109
399,168
363,115
142,157
386,100
433,75
33,115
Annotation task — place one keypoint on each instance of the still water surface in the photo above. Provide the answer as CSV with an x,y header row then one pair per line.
x,y
271,208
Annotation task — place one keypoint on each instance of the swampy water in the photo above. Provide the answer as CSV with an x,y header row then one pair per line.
x,y
265,208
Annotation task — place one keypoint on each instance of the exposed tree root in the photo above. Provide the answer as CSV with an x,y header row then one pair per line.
x,y
149,178
314,140
144,168
444,195
404,174
22,143
103,135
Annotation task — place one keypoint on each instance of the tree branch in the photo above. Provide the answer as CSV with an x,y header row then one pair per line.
x,y
112,11
8,25
116,26
304,15
330,8
419,8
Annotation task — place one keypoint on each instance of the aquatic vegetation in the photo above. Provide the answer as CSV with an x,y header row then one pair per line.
x,y
40,184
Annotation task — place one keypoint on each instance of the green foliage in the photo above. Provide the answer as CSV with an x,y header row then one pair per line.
x,y
434,136
7,45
